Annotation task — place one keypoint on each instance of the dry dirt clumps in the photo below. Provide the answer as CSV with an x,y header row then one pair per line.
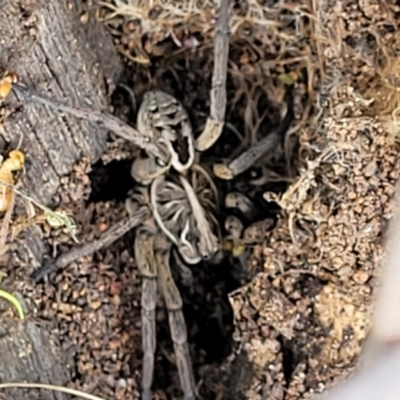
x,y
302,320
312,302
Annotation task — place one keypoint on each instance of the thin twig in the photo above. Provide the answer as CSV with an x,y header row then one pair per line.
x,y
54,218
215,122
102,119
47,386
107,238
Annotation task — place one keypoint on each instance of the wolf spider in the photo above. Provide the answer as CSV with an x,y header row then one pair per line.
x,y
179,193
183,201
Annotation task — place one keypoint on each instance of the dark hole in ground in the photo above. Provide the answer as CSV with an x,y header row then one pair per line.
x,y
288,361
206,308
207,311
209,320
111,181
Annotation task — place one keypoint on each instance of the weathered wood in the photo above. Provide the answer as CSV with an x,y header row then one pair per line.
x,y
49,50
30,353
54,54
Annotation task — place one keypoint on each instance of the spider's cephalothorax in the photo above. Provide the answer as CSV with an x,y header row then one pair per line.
x,y
162,119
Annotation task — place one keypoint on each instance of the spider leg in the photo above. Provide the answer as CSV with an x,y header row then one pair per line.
x,y
176,319
215,122
144,256
208,242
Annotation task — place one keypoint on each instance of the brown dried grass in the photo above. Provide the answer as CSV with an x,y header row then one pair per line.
x,y
384,89
269,40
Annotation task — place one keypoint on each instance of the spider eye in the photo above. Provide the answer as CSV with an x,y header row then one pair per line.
x,y
160,162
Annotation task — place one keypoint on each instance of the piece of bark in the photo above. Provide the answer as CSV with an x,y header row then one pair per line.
x,y
30,353
53,53
47,46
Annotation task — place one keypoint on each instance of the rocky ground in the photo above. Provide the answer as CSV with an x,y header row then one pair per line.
x,y
295,320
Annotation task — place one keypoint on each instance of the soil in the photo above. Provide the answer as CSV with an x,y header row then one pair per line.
x,y
287,317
